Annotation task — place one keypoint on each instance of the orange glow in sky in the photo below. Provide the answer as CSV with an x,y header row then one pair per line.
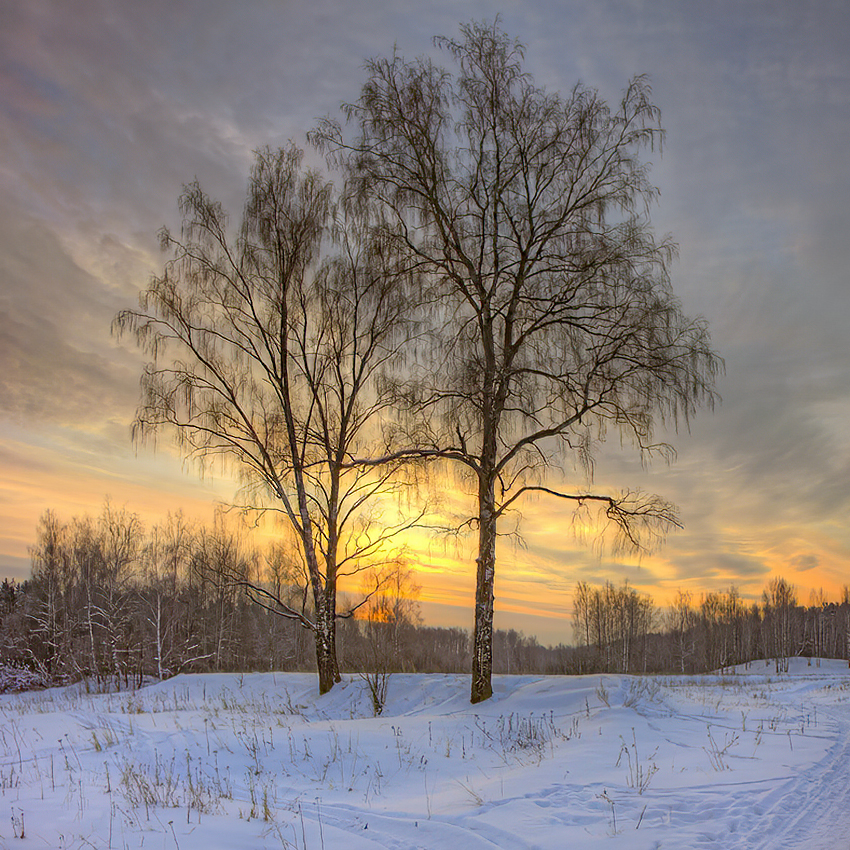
x,y
104,117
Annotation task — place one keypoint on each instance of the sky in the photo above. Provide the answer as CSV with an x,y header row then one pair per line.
x,y
107,107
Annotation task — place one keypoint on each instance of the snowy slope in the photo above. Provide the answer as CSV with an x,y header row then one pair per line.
x,y
748,759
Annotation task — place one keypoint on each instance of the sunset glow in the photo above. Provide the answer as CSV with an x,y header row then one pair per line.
x,y
108,108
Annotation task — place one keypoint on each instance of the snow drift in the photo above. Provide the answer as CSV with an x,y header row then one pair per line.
x,y
747,759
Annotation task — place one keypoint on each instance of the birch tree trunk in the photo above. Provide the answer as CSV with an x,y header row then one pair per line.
x,y
482,649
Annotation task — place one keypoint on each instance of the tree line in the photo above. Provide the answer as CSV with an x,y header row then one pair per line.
x,y
113,603
618,629
478,293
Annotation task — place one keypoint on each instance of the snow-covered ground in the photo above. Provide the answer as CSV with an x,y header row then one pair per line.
x,y
209,762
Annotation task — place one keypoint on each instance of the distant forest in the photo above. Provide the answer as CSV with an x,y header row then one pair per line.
x,y
110,601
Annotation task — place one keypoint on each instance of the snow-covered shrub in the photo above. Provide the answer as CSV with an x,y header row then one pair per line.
x,y
15,679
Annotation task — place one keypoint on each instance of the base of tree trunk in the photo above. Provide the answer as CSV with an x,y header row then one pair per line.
x,y
481,690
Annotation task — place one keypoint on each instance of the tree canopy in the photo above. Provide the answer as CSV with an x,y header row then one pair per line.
x,y
525,214
483,288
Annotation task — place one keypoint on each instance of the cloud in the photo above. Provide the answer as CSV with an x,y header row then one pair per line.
x,y
108,106
802,563
59,362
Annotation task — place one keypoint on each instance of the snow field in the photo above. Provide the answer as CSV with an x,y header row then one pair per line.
x,y
748,759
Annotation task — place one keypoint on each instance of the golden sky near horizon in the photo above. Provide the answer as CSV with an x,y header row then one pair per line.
x,y
107,108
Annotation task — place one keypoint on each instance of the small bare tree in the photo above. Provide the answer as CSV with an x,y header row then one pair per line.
x,y
390,612
267,358
553,317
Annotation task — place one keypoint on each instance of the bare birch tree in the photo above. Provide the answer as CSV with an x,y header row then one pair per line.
x,y
681,625
165,567
554,320
267,358
53,580
779,601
